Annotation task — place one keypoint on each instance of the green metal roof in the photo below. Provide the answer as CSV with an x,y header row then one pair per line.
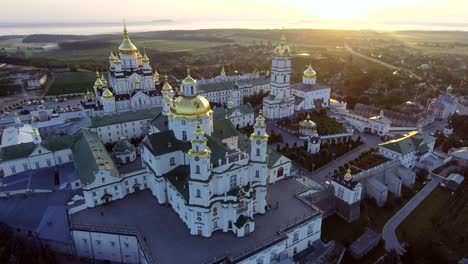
x,y
230,85
409,142
90,156
223,128
23,150
220,113
124,117
161,122
178,177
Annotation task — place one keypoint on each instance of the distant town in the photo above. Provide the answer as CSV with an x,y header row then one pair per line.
x,y
234,146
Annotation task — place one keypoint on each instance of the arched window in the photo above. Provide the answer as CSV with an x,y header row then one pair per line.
x,y
233,181
184,135
198,193
257,152
310,229
296,237
197,169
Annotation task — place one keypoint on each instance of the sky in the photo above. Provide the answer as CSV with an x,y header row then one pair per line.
x,y
325,11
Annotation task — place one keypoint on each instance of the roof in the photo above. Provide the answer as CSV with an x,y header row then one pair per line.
x,y
223,128
167,236
230,85
54,225
409,142
340,179
161,122
244,109
124,117
25,149
90,156
461,153
122,146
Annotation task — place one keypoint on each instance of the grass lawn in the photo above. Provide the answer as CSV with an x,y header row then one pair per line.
x,y
442,220
72,82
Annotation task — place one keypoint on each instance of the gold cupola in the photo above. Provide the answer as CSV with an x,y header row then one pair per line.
x,y
282,49
145,59
307,123
310,73
189,80
190,106
111,56
127,47
107,94
167,88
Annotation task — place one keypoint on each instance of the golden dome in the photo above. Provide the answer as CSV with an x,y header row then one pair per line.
x,y
111,56
310,73
167,88
282,49
137,80
117,60
156,74
190,106
103,79
307,123
107,94
145,58
260,115
98,82
199,131
189,80
127,47
348,176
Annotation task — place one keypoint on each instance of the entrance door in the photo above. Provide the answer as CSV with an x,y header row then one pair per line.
x,y
280,172
199,232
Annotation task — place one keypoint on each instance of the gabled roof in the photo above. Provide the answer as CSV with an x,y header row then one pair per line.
x,y
230,85
161,122
223,128
309,87
220,113
409,142
124,117
90,156
23,150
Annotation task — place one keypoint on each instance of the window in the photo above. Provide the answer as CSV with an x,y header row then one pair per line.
x,y
273,256
198,193
257,173
95,202
296,237
126,245
25,166
59,159
70,157
116,188
172,161
94,193
184,135
257,152
105,191
13,169
112,244
98,242
183,122
310,229
215,224
126,183
233,181
197,169
260,260
103,180
85,241
340,193
37,165
356,195
144,177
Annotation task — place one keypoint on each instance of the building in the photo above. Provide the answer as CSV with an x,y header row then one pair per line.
x,y
131,83
37,81
131,124
309,94
280,102
240,115
443,106
408,148
308,130
19,133
347,195
222,88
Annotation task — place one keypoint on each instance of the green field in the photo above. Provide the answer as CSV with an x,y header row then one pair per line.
x,y
442,219
71,82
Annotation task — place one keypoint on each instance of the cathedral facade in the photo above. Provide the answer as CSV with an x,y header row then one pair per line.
x,y
131,83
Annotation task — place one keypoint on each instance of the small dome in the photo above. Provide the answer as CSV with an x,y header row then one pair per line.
x,y
282,49
310,73
145,58
307,123
189,80
127,47
107,94
117,60
111,56
156,74
190,106
98,82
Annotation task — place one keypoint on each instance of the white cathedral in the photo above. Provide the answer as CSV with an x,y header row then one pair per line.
x,y
210,185
131,84
284,99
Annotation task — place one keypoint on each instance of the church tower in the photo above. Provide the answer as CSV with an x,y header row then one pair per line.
x,y
235,94
167,93
280,102
200,168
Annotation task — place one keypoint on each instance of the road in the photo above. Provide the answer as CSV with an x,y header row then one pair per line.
x,y
388,232
388,65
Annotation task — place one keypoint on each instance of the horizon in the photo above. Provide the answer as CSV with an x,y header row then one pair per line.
x,y
261,14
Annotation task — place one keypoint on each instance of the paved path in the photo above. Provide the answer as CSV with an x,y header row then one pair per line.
x,y
388,232
388,65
